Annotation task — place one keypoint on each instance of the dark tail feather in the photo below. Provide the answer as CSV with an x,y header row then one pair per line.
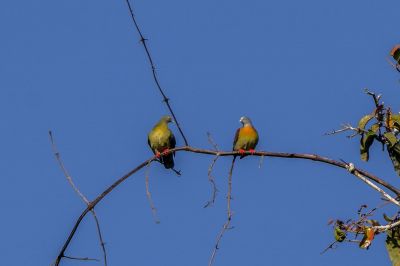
x,y
168,161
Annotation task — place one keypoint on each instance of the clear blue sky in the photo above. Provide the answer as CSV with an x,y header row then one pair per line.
x,y
297,68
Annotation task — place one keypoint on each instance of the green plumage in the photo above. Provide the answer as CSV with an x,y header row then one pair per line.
x,y
160,139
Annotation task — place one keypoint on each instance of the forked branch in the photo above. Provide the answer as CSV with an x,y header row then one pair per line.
x,y
80,194
303,156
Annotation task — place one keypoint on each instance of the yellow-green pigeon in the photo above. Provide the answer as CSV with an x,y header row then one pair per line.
x,y
161,140
246,137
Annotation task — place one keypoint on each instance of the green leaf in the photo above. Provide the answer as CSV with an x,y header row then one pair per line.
x,y
394,154
340,235
375,128
387,218
364,120
393,245
391,138
393,147
365,143
396,120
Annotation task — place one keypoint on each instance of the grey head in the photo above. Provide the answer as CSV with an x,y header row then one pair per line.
x,y
245,121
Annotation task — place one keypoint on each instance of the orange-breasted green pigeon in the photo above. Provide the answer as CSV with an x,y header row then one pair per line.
x,y
161,140
246,137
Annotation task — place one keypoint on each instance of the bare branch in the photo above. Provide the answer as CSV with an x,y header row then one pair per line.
x,y
80,194
211,141
77,258
229,196
148,194
352,169
347,127
383,228
226,225
212,182
261,161
64,170
374,96
143,40
331,246
303,156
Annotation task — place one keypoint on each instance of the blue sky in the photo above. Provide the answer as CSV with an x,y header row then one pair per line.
x,y
297,68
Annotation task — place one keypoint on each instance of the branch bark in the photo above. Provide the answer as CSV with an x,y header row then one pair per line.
x,y
57,155
312,157
143,40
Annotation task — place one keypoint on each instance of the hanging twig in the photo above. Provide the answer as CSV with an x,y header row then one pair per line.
x,y
148,194
226,225
311,157
143,40
211,179
261,161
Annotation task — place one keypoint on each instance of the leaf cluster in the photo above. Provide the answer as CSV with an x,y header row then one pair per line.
x,y
383,126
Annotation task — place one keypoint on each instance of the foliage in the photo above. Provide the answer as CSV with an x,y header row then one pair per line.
x,y
393,245
385,128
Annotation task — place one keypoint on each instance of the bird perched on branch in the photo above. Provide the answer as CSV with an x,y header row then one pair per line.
x,y
246,137
161,140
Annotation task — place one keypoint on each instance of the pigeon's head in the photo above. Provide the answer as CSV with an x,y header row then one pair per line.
x,y
167,119
245,121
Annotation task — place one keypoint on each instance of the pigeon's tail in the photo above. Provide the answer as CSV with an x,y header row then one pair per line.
x,y
168,160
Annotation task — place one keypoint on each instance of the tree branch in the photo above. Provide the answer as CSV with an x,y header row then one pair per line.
x,y
211,179
351,169
383,228
80,194
303,156
229,214
148,195
143,40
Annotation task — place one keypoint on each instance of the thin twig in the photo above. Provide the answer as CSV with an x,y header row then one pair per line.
x,y
374,96
331,246
64,170
226,225
261,161
79,193
77,258
391,63
303,156
348,127
148,194
212,142
143,40
211,179
229,196
102,243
